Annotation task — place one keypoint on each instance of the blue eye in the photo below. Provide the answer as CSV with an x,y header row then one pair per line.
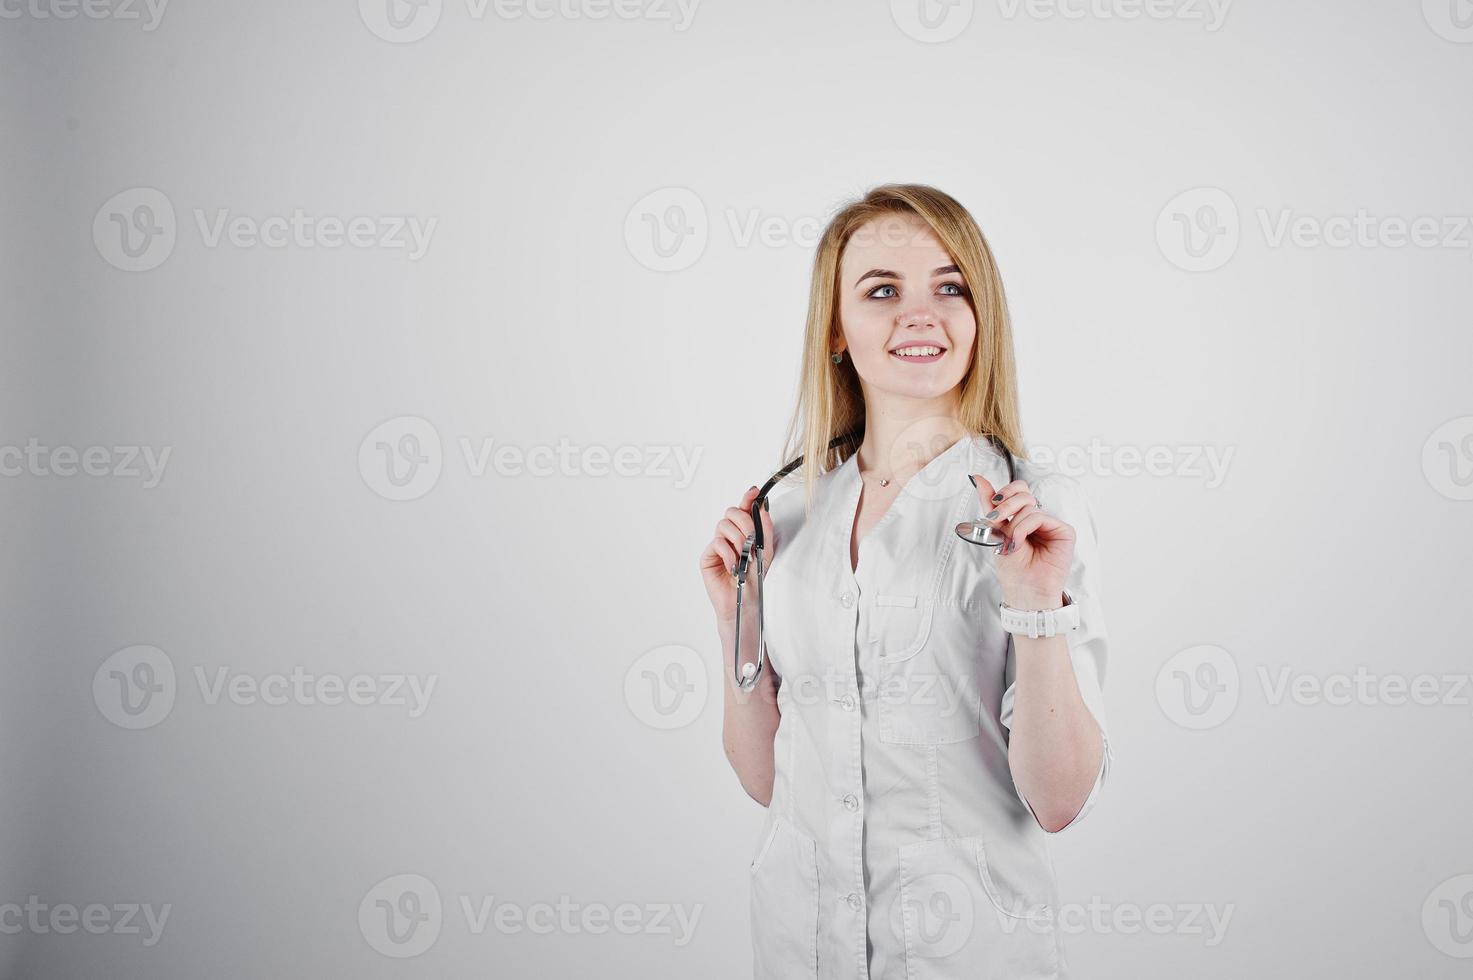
x,y
960,289
872,292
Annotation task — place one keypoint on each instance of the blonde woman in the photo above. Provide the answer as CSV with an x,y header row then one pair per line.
x,y
916,712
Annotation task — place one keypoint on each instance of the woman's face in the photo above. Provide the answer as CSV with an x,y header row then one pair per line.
x,y
899,294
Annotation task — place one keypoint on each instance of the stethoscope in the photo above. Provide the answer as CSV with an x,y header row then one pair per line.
x,y
979,531
750,561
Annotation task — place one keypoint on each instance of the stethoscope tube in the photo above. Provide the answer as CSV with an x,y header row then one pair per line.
x,y
751,559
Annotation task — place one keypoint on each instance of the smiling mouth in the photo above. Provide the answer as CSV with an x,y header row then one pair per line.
x,y
918,354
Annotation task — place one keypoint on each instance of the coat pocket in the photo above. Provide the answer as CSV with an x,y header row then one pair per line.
x,y
928,685
784,904
957,922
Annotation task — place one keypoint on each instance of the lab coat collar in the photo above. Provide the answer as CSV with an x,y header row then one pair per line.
x,y
970,454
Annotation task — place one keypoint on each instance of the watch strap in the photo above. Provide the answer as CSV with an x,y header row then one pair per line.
x,y
1040,622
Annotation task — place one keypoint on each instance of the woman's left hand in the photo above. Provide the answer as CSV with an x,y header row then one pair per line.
x,y
1033,562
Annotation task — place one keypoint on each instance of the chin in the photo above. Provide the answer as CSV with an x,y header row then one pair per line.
x,y
921,389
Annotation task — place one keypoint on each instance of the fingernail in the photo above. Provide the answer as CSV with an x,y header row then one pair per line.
x,y
972,478
989,515
997,498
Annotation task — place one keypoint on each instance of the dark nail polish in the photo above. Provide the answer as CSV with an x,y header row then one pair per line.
x,y
997,498
972,478
989,515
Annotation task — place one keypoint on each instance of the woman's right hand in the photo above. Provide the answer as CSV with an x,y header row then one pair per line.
x,y
718,561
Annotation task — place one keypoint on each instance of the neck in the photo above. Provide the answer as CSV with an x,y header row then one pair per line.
x,y
902,435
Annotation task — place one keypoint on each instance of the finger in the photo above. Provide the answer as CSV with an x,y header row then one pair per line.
x,y
1004,491
985,491
1011,509
1035,522
741,517
718,552
727,552
1008,489
745,503
1028,524
732,534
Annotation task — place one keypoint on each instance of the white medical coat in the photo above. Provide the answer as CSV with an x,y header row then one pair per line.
x,y
896,844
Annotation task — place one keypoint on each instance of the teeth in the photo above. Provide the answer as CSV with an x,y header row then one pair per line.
x,y
918,351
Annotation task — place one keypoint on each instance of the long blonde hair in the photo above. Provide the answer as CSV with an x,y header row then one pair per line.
x,y
830,401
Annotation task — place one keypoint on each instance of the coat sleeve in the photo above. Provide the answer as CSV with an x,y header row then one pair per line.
x,y
1062,496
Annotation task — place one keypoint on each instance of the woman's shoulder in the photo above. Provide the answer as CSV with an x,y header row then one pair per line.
x,y
1040,475
1058,492
788,506
1046,473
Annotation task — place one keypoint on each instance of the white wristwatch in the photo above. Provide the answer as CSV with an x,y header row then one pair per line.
x,y
1040,622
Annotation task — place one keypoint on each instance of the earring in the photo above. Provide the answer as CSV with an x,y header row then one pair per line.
x,y
837,357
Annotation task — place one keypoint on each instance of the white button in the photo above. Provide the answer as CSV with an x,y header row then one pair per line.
x,y
847,702
847,600
851,803
853,901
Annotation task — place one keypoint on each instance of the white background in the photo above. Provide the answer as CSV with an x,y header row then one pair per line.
x,y
540,311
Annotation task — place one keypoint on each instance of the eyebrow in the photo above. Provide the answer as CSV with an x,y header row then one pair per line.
x,y
887,274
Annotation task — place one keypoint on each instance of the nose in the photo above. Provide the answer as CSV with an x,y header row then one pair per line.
x,y
917,317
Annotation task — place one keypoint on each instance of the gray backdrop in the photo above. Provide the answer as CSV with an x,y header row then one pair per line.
x,y
372,379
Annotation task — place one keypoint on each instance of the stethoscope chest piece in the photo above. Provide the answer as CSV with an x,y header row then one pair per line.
x,y
979,532
975,532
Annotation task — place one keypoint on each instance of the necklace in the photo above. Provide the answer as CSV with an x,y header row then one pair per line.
x,y
883,481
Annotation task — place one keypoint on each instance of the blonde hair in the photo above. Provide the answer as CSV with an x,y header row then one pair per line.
x,y
830,401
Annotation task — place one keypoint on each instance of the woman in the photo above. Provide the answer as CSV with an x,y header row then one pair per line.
x,y
912,752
